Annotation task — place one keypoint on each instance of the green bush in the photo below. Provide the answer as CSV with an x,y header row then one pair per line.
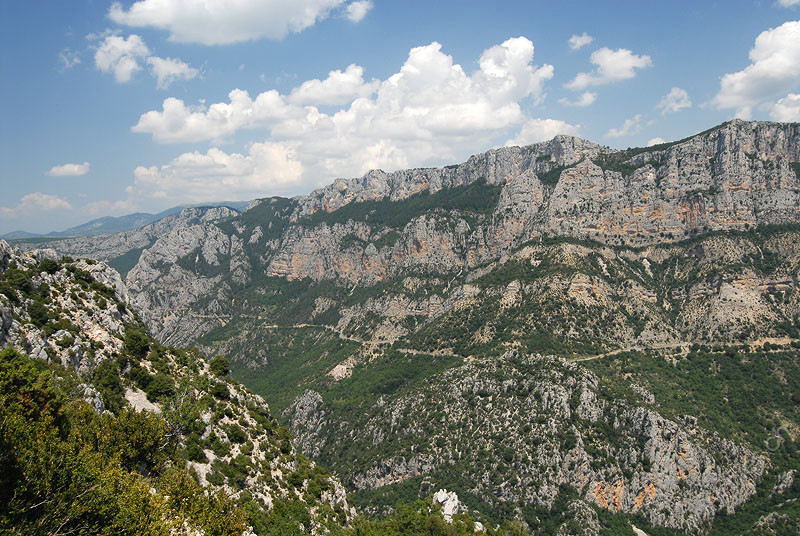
x,y
13,281
194,452
136,342
220,366
49,266
236,434
140,376
38,313
161,387
220,390
106,380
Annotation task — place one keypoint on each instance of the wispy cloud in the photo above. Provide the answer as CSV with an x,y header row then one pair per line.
x,y
168,70
586,99
629,127
67,59
357,10
676,100
579,41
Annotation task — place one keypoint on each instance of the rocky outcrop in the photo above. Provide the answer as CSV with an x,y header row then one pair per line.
x,y
583,522
308,417
65,315
449,503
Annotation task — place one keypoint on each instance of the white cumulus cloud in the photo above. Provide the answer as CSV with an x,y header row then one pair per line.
x,y
168,70
536,130
586,99
676,100
357,10
216,174
773,71
69,170
787,109
338,89
612,66
220,22
121,56
177,122
629,127
429,96
789,3
427,113
34,203
579,41
655,141
124,56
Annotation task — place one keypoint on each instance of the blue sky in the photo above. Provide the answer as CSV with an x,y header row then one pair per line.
x,y
111,108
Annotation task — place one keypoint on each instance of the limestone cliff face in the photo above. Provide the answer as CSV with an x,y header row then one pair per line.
x,y
737,176
161,286
497,166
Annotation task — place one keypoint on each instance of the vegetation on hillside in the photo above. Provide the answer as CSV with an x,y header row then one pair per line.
x,y
65,469
478,198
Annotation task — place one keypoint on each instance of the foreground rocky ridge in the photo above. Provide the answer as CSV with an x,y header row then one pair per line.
x,y
74,314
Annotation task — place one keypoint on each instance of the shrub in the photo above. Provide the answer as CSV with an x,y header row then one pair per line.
x,y
140,377
38,313
49,266
195,453
106,380
15,280
236,434
220,390
220,366
136,343
162,386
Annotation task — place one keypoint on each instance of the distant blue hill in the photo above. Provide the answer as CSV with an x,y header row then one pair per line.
x,y
111,224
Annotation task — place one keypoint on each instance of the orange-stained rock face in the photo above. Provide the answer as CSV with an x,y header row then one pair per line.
x,y
609,496
644,497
